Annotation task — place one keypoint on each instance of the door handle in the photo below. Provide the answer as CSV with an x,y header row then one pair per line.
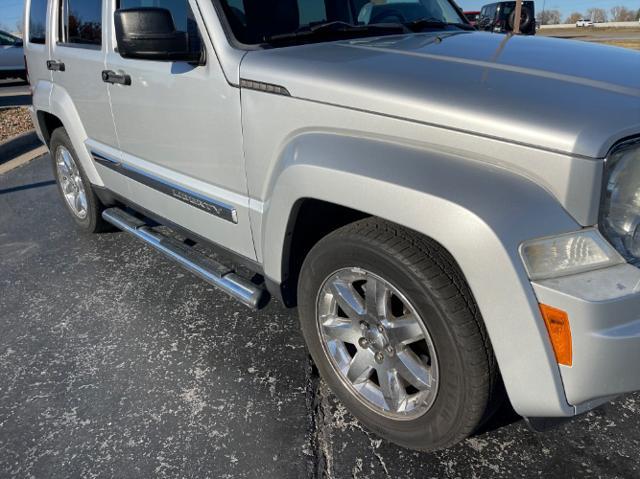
x,y
55,66
109,76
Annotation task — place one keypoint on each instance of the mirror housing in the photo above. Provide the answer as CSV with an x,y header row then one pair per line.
x,y
18,43
150,34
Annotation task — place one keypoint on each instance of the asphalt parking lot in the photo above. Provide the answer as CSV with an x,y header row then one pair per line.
x,y
116,363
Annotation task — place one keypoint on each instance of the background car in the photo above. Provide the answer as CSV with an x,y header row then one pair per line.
x,y
584,23
472,17
11,57
500,17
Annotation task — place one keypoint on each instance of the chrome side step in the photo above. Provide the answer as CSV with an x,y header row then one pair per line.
x,y
206,268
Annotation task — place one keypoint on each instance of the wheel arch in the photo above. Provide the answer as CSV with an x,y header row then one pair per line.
x,y
61,112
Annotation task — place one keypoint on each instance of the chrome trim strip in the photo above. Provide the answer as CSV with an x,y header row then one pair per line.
x,y
197,200
202,266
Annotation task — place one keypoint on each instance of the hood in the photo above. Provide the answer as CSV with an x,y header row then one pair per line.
x,y
561,95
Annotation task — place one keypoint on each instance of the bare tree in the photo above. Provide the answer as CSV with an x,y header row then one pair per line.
x,y
548,17
597,15
574,17
622,14
20,27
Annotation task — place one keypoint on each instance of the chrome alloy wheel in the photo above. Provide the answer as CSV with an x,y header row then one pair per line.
x,y
378,344
71,183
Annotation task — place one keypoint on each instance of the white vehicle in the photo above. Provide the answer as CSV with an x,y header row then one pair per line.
x,y
11,57
584,23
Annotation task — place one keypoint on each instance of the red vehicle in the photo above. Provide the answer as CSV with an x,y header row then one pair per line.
x,y
472,17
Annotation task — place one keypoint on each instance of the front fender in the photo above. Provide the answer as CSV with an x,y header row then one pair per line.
x,y
479,213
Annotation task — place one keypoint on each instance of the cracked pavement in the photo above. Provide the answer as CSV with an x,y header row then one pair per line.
x,y
115,362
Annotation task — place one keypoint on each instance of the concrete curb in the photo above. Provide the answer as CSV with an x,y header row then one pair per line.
x,y
20,150
19,145
23,159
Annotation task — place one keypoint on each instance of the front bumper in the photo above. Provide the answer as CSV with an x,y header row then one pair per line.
x,y
604,314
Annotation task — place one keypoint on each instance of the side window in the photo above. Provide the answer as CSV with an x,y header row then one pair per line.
x,y
38,21
180,11
81,22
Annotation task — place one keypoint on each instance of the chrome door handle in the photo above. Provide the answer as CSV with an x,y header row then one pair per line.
x,y
55,66
109,76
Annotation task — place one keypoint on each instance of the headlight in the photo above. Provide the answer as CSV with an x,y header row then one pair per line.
x,y
620,210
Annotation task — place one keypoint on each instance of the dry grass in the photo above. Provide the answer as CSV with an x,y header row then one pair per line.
x,y
588,32
633,44
14,121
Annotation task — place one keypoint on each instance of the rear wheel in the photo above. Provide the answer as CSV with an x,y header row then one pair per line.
x,y
394,331
77,193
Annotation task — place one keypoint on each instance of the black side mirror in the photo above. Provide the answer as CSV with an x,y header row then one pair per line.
x,y
150,34
18,43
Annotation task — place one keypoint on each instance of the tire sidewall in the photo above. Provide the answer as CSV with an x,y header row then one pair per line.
x,y
60,138
440,424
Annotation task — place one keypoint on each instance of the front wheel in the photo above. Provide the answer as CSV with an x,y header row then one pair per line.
x,y
394,331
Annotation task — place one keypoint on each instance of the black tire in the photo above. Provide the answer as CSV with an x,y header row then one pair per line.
x,y
427,275
93,222
526,19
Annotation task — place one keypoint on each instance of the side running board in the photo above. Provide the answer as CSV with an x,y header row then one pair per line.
x,y
206,268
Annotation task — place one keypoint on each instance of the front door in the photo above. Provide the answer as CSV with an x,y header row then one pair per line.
x,y
180,136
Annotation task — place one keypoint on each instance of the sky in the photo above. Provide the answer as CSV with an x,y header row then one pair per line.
x,y
11,10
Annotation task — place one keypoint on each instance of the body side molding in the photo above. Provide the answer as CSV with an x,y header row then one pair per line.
x,y
197,200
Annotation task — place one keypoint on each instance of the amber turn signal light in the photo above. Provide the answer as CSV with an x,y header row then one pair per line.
x,y
557,322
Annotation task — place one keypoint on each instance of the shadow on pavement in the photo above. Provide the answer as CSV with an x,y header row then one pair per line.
x,y
27,187
18,100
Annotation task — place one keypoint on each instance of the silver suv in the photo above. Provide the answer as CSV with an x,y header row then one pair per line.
x,y
454,213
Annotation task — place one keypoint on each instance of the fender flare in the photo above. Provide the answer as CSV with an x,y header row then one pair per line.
x,y
480,213
61,105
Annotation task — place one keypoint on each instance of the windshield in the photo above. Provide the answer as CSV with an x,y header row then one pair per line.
x,y
259,21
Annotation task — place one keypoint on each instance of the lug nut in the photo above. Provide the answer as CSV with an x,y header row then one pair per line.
x,y
364,326
363,343
379,357
380,328
389,350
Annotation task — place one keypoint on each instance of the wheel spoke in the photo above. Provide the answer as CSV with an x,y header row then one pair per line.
x,y
360,367
413,370
393,391
376,298
341,329
348,299
404,330
77,203
62,168
82,200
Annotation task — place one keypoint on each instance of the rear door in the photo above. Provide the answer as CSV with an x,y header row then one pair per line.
x,y
78,57
180,135
37,43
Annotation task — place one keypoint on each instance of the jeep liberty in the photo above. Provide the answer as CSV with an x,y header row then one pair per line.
x,y
455,214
